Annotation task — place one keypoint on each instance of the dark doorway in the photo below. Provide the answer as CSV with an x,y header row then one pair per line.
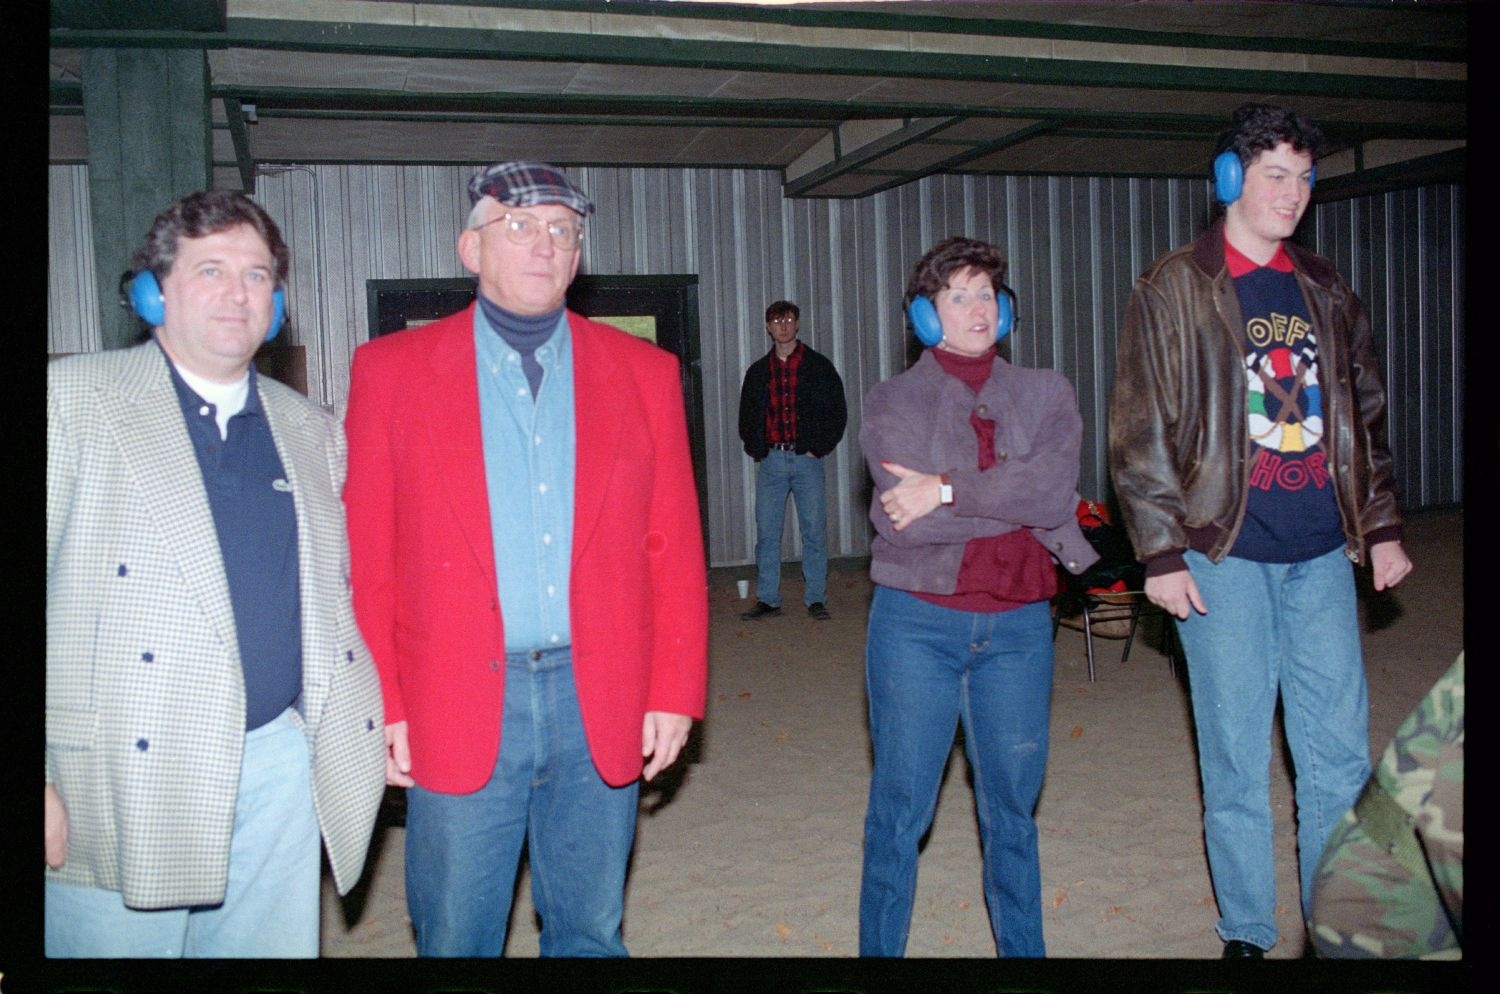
x,y
661,309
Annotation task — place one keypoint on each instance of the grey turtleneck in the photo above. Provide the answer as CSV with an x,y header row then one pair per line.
x,y
523,332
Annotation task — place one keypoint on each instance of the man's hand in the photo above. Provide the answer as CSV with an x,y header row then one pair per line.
x,y
397,756
914,496
1390,564
55,814
662,737
1175,593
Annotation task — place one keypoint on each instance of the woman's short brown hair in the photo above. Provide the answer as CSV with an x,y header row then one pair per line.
x,y
950,256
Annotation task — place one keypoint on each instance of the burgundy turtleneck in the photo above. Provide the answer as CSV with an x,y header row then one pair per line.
x,y
1000,572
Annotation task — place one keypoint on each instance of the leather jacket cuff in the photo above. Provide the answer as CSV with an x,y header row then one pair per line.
x,y
1166,562
1389,533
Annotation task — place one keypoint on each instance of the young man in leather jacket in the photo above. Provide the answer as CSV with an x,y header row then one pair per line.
x,y
1247,448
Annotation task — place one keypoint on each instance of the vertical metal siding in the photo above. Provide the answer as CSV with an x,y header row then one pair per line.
x,y
1402,254
1075,247
72,293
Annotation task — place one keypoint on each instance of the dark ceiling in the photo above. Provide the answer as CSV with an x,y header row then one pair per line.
x,y
845,99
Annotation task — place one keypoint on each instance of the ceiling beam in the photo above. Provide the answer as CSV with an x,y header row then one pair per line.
x,y
357,103
847,156
1425,23
1444,167
111,15
604,49
234,115
972,150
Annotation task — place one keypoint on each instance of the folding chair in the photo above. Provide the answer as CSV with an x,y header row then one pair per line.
x,y
1108,598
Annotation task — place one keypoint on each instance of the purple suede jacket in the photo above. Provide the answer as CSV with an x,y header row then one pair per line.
x,y
920,419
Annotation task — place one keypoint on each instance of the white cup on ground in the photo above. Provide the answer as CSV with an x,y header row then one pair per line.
x,y
744,586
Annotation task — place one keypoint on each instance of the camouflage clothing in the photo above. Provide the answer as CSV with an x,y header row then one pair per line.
x,y
1391,880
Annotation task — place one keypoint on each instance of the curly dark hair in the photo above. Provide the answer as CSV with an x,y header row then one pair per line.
x,y
206,213
1255,128
782,308
952,255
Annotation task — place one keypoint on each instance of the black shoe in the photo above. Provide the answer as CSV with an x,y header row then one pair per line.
x,y
759,611
819,612
1239,949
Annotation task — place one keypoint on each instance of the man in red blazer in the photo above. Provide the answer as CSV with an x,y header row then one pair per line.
x,y
528,573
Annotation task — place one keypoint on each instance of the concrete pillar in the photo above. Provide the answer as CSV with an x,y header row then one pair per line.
x,y
149,131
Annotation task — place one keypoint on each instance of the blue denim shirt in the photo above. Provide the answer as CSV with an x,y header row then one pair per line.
x,y
529,465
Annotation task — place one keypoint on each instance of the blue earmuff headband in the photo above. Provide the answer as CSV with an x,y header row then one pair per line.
x,y
929,330
1229,177
147,301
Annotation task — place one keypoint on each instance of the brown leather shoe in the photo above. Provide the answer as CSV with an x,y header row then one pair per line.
x,y
819,612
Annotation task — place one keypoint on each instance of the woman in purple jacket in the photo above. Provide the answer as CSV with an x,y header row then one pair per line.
x,y
975,463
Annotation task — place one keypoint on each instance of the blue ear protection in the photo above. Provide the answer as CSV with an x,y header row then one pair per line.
x,y
1229,177
929,330
147,301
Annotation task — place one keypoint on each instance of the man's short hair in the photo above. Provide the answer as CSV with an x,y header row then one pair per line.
x,y
782,308
206,213
950,256
1256,128
476,217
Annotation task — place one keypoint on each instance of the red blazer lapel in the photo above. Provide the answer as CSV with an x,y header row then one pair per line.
x,y
449,404
599,418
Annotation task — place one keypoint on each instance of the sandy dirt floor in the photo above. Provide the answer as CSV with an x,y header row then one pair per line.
x,y
751,847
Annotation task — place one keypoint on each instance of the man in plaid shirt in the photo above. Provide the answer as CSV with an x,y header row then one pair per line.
x,y
791,415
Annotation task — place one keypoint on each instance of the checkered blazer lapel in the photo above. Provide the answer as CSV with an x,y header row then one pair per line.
x,y
304,462
147,421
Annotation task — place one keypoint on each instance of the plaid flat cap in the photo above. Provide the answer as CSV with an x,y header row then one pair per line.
x,y
527,184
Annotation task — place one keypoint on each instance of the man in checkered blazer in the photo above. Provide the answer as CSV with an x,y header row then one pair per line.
x,y
211,708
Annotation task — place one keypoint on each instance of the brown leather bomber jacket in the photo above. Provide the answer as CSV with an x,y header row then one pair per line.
x,y
1179,446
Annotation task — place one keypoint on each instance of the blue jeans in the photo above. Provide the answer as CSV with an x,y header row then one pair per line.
x,y
778,474
926,669
271,904
463,850
1292,627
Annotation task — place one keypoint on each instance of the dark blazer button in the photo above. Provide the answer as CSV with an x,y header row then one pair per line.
x,y
122,570
141,744
147,657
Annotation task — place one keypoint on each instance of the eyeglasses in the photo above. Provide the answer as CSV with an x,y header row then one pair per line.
x,y
522,229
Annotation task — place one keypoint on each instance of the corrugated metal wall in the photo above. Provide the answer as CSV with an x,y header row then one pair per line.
x,y
1403,253
1075,246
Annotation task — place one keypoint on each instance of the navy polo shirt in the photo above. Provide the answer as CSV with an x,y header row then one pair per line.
x,y
256,521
